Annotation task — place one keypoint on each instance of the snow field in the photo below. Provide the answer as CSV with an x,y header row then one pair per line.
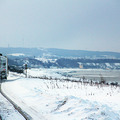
x,y
55,100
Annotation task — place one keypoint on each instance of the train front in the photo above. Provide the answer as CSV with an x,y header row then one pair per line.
x,y
3,67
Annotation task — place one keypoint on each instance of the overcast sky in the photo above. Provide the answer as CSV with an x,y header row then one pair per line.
x,y
69,24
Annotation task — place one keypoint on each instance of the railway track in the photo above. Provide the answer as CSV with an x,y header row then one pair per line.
x,y
23,113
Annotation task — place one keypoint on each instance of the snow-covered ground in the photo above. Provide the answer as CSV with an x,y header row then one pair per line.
x,y
53,99
7,111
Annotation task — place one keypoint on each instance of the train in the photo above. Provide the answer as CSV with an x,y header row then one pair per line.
x,y
3,67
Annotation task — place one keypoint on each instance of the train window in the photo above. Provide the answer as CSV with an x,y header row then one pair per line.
x,y
4,64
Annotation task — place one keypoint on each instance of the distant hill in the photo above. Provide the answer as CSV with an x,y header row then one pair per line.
x,y
56,53
65,63
60,58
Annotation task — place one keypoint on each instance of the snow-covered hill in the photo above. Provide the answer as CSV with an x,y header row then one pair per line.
x,y
57,53
61,58
65,63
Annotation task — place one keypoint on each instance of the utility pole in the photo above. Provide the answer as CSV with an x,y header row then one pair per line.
x,y
26,70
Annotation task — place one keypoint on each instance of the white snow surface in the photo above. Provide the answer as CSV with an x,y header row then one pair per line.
x,y
117,64
45,60
108,64
53,99
17,54
7,111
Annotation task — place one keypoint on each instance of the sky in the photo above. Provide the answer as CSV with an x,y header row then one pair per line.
x,y
67,24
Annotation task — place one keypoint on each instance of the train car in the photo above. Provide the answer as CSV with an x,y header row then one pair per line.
x,y
3,67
